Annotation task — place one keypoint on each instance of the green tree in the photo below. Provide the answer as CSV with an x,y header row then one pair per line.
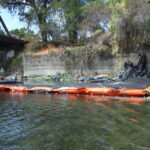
x,y
129,24
23,33
74,14
36,11
97,13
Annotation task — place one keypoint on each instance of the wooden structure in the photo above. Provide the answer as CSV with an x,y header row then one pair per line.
x,y
9,46
7,41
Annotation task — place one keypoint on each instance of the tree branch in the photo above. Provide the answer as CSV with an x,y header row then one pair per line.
x,y
31,2
17,3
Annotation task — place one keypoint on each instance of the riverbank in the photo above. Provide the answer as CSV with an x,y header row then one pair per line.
x,y
135,83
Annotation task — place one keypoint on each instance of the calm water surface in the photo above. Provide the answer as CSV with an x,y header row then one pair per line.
x,y
70,122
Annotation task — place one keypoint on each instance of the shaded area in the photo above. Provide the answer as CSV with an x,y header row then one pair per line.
x,y
9,49
8,41
138,70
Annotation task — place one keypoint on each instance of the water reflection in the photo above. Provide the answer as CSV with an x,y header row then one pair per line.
x,y
97,100
72,122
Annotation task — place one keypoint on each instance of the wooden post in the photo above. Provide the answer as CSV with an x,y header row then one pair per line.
x,y
3,24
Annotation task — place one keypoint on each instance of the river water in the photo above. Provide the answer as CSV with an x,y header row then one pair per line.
x,y
73,122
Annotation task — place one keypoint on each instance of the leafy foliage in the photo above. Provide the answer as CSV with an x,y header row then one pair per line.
x,y
147,24
127,21
73,17
97,17
17,62
33,46
33,11
23,33
127,25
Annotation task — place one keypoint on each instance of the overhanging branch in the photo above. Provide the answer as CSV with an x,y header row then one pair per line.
x,y
18,3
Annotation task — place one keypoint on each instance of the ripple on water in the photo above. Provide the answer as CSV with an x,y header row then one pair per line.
x,y
73,122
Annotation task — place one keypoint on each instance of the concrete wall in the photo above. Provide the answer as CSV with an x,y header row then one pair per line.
x,y
39,65
42,65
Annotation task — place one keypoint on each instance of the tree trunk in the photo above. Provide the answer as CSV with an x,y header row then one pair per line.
x,y
43,27
44,35
73,36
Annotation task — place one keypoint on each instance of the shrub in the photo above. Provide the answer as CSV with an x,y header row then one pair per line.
x,y
147,24
33,46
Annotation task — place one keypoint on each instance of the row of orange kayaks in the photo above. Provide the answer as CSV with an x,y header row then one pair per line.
x,y
83,90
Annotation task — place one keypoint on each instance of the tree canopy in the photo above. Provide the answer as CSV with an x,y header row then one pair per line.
x,y
32,11
23,33
68,19
54,18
